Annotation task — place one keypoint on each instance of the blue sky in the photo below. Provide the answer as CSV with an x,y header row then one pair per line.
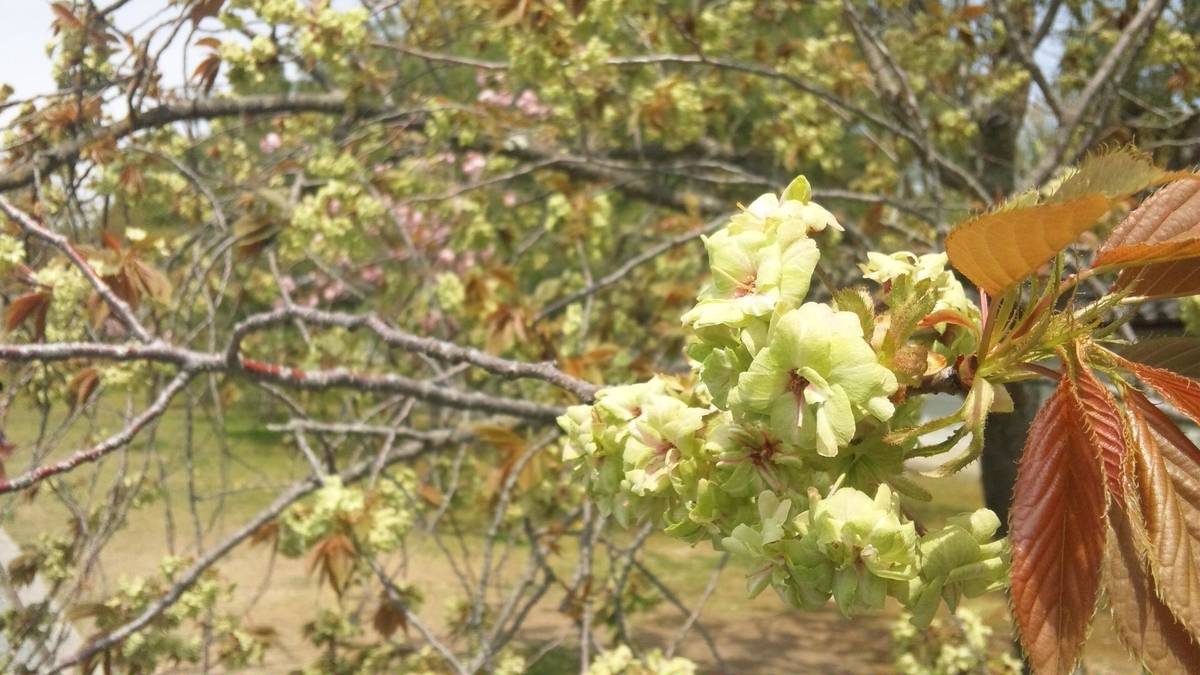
x,y
24,32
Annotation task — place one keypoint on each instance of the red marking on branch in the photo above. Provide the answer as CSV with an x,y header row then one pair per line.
x,y
259,367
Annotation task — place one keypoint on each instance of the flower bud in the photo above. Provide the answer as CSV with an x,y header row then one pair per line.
x,y
960,559
863,541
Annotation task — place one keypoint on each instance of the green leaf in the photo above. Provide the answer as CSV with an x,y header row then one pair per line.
x,y
907,317
799,190
978,403
859,302
910,488
1114,174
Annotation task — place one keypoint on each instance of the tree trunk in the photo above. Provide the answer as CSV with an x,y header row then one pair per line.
x,y
1004,435
1003,441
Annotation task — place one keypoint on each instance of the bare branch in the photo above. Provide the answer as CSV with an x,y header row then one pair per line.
x,y
394,597
1130,42
199,109
193,573
960,174
1047,23
631,264
334,378
118,440
394,337
1025,54
674,600
350,428
442,58
700,603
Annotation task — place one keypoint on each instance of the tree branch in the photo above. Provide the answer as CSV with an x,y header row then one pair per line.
x,y
631,264
193,573
261,371
199,109
118,440
1126,46
1025,56
960,177
394,337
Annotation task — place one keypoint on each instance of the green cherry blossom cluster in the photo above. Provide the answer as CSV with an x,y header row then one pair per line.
x,y
622,661
787,444
956,646
377,520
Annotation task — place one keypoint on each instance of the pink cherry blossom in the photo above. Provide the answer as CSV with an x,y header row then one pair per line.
x,y
529,104
270,143
501,99
332,291
473,165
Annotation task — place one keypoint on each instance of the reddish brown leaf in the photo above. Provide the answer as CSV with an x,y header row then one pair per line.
x,y
999,249
972,12
132,180
268,533
1165,227
1180,355
1182,459
1144,624
64,17
81,386
1168,480
97,309
205,8
206,72
31,304
1171,279
431,494
333,558
111,242
124,288
23,570
151,282
1057,530
1103,424
389,617
950,316
1181,392
1176,354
